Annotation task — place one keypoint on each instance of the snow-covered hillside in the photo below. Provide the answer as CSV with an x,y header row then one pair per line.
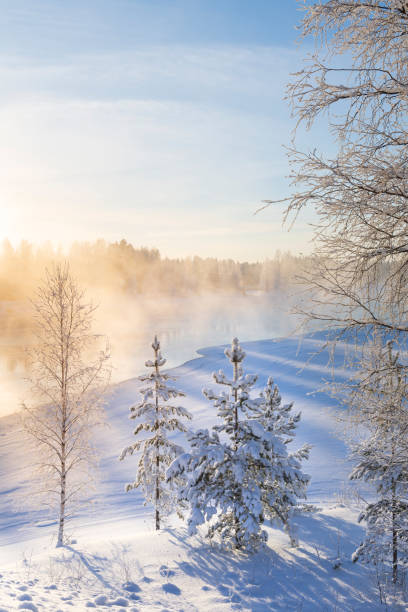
x,y
117,560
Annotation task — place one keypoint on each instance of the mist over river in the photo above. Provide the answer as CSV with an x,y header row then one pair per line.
x,y
183,324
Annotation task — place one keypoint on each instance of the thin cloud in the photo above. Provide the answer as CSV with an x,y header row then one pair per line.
x,y
113,144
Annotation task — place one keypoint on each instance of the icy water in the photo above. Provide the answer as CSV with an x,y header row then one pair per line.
x,y
182,324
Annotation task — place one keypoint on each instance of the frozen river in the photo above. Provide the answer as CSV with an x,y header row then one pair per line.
x,y
183,324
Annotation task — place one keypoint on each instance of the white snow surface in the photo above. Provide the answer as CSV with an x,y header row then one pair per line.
x,y
115,559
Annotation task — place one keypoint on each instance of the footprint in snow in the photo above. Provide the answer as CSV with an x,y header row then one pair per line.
x,y
168,587
28,605
131,587
102,600
24,597
134,597
165,572
224,590
120,601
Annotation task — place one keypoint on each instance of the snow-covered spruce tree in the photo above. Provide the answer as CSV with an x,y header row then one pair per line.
x,y
158,417
380,402
282,483
232,471
68,387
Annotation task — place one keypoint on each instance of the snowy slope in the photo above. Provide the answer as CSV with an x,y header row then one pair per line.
x,y
135,570
116,554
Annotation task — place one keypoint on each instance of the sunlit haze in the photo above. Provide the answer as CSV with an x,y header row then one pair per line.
x,y
159,122
139,140
203,305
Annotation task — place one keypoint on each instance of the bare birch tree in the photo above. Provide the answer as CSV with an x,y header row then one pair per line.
x,y
358,78
68,386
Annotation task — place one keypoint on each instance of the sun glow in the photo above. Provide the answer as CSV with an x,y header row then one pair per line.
x,y
7,221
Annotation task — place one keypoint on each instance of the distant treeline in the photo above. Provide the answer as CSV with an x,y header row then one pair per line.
x,y
121,267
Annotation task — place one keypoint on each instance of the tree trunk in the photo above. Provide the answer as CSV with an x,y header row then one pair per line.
x,y
64,395
157,494
63,486
394,536
63,482
235,407
157,448
236,521
61,524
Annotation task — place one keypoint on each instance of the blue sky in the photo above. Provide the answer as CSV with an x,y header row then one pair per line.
x,y
161,122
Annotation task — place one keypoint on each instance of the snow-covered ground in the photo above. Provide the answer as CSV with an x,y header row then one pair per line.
x,y
116,560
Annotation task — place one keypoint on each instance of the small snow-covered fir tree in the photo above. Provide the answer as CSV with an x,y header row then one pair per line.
x,y
233,471
381,398
283,485
158,417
